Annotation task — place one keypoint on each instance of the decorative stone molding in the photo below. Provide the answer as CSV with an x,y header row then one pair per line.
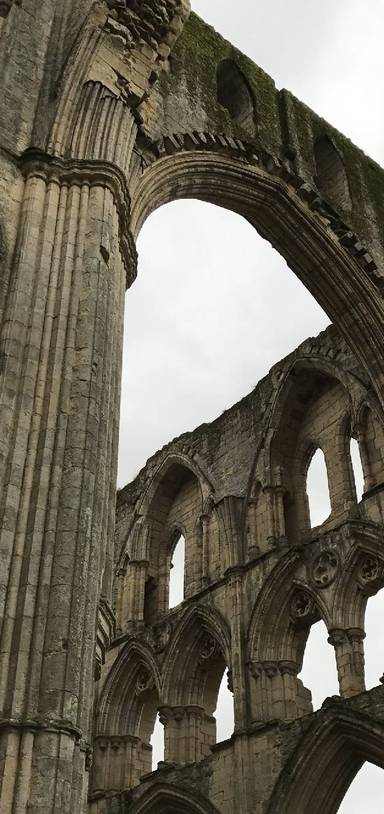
x,y
195,140
370,570
104,635
272,668
302,607
160,636
179,713
95,173
208,649
338,637
324,569
144,682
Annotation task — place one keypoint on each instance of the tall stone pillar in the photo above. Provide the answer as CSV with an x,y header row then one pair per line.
x,y
61,347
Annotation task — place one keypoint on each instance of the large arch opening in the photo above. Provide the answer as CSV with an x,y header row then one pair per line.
x,y
205,320
322,770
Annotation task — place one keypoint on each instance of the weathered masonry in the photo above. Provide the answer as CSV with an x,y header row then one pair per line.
x,y
108,110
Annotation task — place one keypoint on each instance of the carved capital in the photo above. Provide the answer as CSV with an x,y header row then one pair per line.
x,y
356,634
289,668
255,669
35,163
337,637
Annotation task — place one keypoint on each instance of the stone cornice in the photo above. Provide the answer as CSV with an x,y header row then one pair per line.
x,y
37,725
95,173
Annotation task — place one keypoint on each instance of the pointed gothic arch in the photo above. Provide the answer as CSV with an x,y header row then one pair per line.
x,y
323,766
196,623
124,720
287,221
162,798
193,670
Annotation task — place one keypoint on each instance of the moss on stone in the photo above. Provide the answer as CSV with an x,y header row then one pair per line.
x,y
281,120
365,177
195,59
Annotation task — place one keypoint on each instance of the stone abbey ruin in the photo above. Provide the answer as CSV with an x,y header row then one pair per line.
x,y
108,110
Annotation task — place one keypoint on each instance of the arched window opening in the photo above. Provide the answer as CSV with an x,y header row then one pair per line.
x,y
331,176
176,580
318,490
233,93
319,671
357,468
224,712
157,743
366,792
374,640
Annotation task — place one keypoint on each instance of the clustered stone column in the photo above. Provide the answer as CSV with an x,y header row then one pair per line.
x,y
189,733
277,693
61,346
115,760
349,651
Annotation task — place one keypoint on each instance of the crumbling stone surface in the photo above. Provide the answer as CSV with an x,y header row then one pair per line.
x,y
108,110
257,576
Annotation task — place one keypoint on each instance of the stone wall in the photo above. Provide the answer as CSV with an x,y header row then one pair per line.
x,y
108,110
261,577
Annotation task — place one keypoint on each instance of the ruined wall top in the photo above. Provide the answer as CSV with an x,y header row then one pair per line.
x,y
227,450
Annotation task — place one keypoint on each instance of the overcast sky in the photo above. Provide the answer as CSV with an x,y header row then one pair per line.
x,y
215,306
